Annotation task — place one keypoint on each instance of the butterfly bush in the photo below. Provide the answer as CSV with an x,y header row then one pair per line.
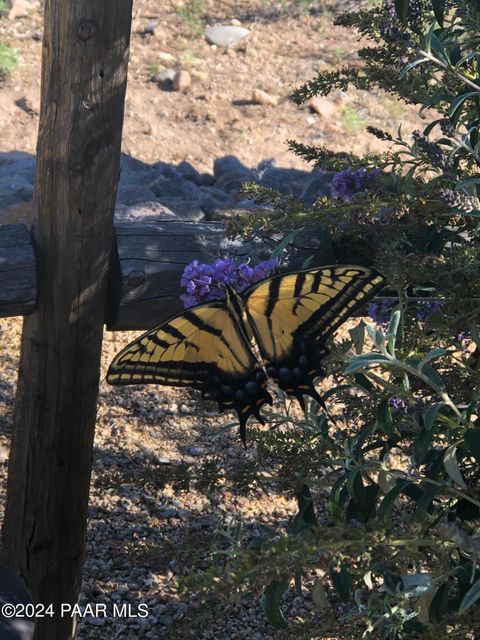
x,y
205,282
390,26
389,512
348,182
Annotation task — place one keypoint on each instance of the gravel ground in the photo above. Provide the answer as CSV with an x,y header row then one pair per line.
x,y
143,537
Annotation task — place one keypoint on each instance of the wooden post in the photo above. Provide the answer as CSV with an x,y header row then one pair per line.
x,y
84,71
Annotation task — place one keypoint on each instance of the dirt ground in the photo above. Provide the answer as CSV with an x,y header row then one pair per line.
x,y
216,116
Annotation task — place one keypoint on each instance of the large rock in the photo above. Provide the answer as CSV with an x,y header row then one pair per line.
x,y
174,186
317,185
183,208
225,35
132,193
151,211
14,188
287,181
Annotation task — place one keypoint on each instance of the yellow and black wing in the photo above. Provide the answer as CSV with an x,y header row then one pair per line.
x,y
292,315
203,347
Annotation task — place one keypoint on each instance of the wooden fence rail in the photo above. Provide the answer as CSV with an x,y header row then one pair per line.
x,y
145,268
146,265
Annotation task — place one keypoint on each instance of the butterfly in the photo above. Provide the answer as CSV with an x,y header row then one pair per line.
x,y
209,346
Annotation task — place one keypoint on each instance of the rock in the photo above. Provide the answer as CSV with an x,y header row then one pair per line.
x,y
262,97
196,451
182,81
230,165
184,209
318,185
168,513
174,186
165,78
225,35
15,163
189,172
131,193
149,29
164,56
324,107
284,180
210,199
143,212
98,622
232,183
14,188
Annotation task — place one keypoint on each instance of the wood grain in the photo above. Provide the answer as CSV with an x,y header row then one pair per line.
x,y
84,72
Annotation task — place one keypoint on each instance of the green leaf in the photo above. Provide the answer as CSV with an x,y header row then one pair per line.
x,y
361,362
472,442
430,415
358,336
439,10
401,8
467,183
336,493
305,519
342,582
271,599
377,337
439,604
392,331
386,480
364,509
439,49
424,503
422,444
276,253
386,507
307,262
428,39
319,596
431,355
457,104
363,382
451,466
472,595
411,65
384,418
429,373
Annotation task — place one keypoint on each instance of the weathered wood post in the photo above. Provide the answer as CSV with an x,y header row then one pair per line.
x,y
84,72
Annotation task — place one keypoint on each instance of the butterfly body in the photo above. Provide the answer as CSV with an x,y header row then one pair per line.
x,y
209,347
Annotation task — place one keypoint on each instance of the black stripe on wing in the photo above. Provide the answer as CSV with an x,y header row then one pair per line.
x,y
204,348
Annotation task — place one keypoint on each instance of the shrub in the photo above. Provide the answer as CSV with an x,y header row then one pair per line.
x,y
8,60
387,536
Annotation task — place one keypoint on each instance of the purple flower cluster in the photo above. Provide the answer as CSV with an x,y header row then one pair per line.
x,y
380,313
345,184
431,150
398,404
205,282
456,200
